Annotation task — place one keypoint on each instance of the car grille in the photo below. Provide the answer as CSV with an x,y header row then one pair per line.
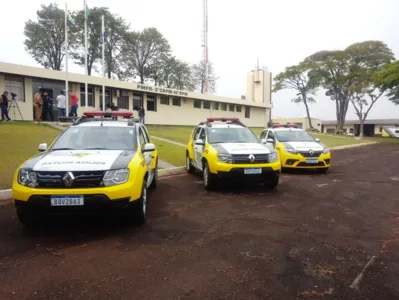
x,y
307,154
244,158
83,179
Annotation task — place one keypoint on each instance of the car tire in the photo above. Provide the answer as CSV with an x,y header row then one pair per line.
x,y
208,178
272,182
154,181
323,170
137,211
26,218
189,165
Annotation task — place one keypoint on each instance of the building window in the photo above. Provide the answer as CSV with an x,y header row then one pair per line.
x,y
90,96
137,101
216,106
123,102
206,105
107,97
151,103
197,103
224,106
176,101
231,107
15,85
164,100
380,129
247,112
238,108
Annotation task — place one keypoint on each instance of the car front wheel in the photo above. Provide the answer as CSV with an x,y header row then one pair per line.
x,y
272,183
137,211
208,178
189,165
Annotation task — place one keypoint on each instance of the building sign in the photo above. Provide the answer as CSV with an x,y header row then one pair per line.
x,y
156,89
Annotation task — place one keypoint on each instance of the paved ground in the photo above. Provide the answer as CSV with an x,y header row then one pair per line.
x,y
308,240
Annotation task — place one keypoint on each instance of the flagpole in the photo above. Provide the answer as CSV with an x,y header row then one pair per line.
x,y
86,72
66,59
103,57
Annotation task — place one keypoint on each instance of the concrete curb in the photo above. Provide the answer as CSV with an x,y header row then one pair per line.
x,y
5,194
352,146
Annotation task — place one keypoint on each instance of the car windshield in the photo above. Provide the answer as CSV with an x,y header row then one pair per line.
x,y
231,135
96,138
294,136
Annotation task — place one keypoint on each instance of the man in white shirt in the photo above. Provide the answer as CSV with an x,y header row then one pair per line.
x,y
61,104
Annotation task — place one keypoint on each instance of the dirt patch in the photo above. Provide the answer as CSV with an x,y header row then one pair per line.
x,y
308,240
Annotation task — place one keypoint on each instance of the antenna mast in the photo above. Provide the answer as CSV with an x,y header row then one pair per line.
x,y
205,45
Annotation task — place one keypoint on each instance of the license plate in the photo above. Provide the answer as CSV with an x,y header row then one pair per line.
x,y
312,161
70,200
253,171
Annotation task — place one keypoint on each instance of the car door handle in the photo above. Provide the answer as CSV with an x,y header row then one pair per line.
x,y
152,156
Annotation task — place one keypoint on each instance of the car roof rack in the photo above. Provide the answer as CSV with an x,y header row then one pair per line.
x,y
132,121
235,121
101,116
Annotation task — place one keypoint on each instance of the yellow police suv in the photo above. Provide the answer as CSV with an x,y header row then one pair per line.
x,y
224,148
297,148
98,164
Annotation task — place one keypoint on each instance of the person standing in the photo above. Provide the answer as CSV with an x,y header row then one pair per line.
x,y
61,104
74,104
4,106
38,105
47,107
141,114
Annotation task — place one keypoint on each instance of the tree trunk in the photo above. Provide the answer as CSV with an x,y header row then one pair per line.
x,y
308,113
361,129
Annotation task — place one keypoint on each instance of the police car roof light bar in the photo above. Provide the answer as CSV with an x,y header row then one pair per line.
x,y
108,114
285,126
222,119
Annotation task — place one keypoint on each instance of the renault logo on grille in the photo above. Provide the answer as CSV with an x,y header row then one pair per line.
x,y
68,179
311,152
251,158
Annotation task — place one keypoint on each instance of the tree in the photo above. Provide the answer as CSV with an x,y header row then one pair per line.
x,y
332,70
182,76
297,78
45,38
366,59
198,75
115,31
388,78
94,37
141,51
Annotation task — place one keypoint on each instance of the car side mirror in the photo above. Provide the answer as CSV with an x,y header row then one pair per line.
x,y
42,147
270,141
199,142
317,140
263,141
149,147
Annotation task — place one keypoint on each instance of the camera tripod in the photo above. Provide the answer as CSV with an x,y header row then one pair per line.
x,y
14,104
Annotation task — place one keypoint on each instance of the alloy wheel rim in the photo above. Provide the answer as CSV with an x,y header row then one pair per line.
x,y
205,175
144,200
187,163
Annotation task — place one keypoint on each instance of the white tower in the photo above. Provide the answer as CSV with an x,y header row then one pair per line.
x,y
205,47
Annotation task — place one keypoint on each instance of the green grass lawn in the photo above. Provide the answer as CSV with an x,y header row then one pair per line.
x,y
171,153
19,142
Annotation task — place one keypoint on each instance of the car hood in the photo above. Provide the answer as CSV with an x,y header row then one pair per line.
x,y
78,160
304,146
241,148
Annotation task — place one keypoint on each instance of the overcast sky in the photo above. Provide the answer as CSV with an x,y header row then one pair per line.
x,y
280,33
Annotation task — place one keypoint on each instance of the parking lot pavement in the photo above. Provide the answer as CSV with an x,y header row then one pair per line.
x,y
307,240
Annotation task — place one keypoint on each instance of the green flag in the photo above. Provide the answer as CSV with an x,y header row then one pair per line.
x,y
87,11
70,23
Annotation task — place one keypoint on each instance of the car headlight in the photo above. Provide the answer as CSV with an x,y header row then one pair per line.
x,y
27,178
115,177
291,151
326,150
273,157
225,158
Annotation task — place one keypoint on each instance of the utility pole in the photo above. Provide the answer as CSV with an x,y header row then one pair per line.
x,y
205,45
